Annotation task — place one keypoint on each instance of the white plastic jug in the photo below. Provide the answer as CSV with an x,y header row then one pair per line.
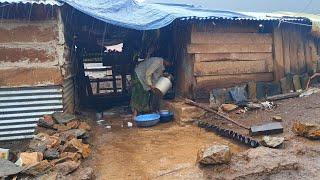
x,y
163,85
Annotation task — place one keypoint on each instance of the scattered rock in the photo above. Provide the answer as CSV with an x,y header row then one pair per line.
x,y
73,124
61,127
78,133
37,146
228,107
86,174
63,118
277,118
46,121
29,158
8,168
66,168
85,126
51,154
50,176
37,169
76,145
273,142
71,156
307,130
216,154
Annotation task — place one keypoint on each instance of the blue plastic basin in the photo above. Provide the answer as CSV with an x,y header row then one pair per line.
x,y
147,120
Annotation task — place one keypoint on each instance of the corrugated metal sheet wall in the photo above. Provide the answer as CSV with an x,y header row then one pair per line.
x,y
68,95
20,109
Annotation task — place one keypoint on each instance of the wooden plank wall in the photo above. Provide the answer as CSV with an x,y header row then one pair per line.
x,y
299,49
228,56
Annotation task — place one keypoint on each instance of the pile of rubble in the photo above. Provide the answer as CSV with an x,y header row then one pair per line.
x,y
56,151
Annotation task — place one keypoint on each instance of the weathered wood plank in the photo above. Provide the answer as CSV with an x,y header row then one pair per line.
x,y
228,48
230,38
278,54
314,54
226,27
286,50
308,56
206,83
294,66
230,67
232,57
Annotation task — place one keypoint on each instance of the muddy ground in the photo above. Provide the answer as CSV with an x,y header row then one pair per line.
x,y
168,151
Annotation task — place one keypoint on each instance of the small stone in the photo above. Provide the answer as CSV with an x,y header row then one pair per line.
x,y
78,133
51,154
63,118
277,118
307,130
214,155
85,126
61,127
29,158
76,145
86,174
39,168
228,107
66,168
273,142
73,124
46,121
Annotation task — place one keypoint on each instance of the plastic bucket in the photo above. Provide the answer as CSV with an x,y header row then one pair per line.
x,y
163,85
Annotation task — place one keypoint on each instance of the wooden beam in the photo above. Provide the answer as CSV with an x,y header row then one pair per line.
x,y
230,67
228,48
232,57
230,38
279,69
308,56
294,66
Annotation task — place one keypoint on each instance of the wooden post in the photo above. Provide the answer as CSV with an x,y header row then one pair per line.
x,y
278,54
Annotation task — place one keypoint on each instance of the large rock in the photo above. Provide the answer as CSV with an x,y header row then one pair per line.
x,y
39,168
273,142
37,146
63,118
8,168
29,158
78,133
307,130
66,168
61,127
216,154
73,124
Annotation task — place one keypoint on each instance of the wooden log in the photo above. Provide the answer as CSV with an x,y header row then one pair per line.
x,y
283,96
230,67
228,48
232,57
190,102
278,55
230,38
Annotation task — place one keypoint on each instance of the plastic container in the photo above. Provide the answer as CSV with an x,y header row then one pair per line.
x,y
163,85
147,120
165,116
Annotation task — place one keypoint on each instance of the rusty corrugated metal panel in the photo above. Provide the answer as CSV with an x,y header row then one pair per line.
x,y
68,95
20,109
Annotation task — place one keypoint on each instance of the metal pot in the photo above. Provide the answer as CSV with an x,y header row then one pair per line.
x,y
163,85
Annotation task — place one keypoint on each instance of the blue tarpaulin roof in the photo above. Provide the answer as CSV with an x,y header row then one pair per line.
x,y
145,16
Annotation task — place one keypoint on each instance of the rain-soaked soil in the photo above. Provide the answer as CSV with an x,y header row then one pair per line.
x,y
168,151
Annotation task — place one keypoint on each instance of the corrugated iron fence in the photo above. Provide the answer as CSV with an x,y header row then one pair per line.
x,y
20,109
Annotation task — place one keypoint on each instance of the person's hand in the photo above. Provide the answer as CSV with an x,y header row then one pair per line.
x,y
152,88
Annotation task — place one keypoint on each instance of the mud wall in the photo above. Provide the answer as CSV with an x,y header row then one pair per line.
x,y
33,53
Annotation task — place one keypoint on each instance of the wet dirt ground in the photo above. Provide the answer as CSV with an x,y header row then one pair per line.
x,y
168,151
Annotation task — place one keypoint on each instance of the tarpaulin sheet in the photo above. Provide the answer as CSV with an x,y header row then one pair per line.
x,y
144,16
